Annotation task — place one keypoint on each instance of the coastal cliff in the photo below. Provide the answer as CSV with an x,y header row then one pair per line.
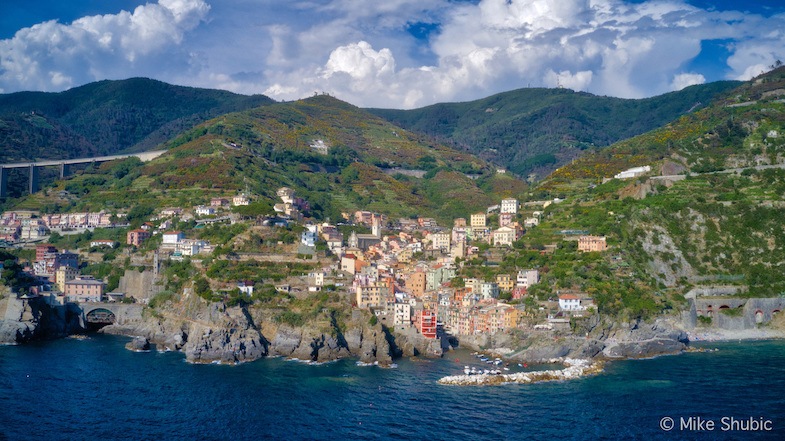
x,y
594,339
208,333
23,320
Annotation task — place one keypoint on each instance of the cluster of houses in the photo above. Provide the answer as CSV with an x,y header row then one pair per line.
x,y
27,226
61,278
407,275
408,278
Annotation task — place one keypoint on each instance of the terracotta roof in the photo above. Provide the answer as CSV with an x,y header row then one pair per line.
x,y
568,297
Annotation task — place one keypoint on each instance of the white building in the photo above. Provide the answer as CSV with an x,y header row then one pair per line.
x,y
531,222
192,247
403,314
317,278
171,238
509,205
633,172
204,210
504,236
570,302
102,243
245,287
310,235
489,290
33,229
527,278
441,241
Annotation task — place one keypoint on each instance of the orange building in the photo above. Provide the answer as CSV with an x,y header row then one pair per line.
x,y
136,237
416,283
592,243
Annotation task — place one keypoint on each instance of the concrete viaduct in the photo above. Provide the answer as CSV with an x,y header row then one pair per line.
x,y
64,165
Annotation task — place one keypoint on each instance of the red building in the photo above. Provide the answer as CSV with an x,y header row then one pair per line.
x,y
42,250
519,292
425,322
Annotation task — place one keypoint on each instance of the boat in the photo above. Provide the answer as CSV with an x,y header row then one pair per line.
x,y
466,370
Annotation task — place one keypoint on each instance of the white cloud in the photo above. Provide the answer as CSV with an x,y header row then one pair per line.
x,y
363,52
360,61
53,56
682,80
603,46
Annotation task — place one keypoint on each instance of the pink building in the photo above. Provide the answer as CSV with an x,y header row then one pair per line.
x,y
84,290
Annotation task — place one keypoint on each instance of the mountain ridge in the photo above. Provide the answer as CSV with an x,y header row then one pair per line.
x,y
537,130
107,117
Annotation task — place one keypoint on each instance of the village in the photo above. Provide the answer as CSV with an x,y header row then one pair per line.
x,y
405,271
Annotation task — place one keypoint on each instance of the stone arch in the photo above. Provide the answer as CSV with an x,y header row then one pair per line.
x,y
759,316
724,307
100,317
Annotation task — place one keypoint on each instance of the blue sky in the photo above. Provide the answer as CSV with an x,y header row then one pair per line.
x,y
395,53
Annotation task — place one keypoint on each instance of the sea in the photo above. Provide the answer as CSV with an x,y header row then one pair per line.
x,y
88,389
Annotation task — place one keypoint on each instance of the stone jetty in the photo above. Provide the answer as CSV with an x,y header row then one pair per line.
x,y
575,368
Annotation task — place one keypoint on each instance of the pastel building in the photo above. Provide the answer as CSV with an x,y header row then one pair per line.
x,y
592,243
136,237
509,205
84,289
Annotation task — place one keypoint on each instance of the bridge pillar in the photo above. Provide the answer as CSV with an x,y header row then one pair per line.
x,y
64,170
3,182
32,186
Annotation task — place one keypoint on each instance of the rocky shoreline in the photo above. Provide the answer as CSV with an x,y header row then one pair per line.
x,y
213,333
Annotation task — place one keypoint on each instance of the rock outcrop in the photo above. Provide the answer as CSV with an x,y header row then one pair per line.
x,y
212,333
138,344
412,344
599,340
23,320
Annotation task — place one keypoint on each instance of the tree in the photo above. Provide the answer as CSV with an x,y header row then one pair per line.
x,y
202,288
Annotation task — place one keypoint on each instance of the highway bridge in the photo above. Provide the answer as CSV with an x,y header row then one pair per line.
x,y
64,165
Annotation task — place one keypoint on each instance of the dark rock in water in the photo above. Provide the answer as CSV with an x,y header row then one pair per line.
x,y
413,344
645,349
23,320
138,344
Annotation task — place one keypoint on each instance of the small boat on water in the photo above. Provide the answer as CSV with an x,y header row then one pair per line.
x,y
466,370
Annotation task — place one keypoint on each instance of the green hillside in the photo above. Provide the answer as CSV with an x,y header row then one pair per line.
x,y
537,130
338,157
710,211
106,117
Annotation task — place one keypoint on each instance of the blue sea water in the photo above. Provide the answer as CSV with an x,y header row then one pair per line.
x,y
95,389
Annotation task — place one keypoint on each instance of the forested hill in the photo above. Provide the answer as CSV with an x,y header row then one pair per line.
x,y
710,209
107,117
335,155
538,130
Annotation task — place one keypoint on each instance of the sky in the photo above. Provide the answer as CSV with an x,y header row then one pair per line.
x,y
390,53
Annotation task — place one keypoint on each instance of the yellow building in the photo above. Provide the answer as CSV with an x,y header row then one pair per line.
x,y
505,282
479,220
65,274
